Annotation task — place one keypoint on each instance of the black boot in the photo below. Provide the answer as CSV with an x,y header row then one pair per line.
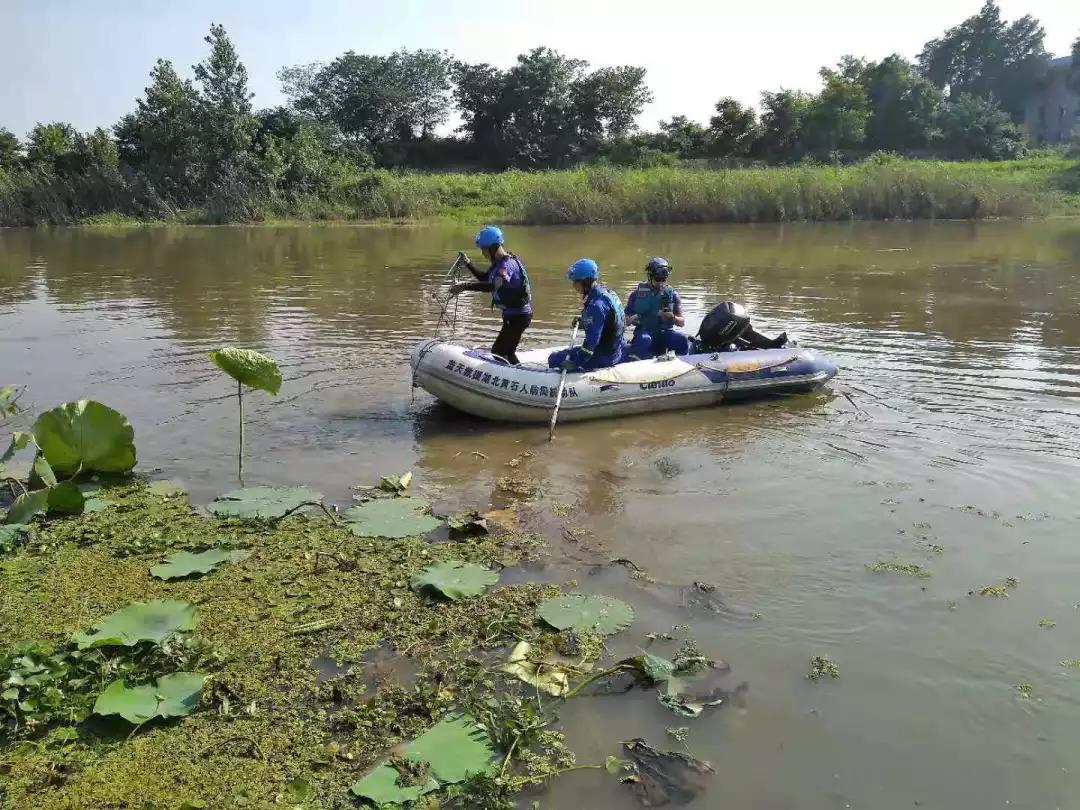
x,y
780,341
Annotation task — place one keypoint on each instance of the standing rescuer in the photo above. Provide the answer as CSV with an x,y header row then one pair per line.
x,y
508,284
602,319
654,309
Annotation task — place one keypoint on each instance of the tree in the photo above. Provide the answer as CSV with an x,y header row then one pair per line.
x,y
733,129
608,101
50,146
225,121
985,57
161,139
481,99
904,105
10,150
539,96
836,118
782,119
1073,79
683,137
425,77
973,127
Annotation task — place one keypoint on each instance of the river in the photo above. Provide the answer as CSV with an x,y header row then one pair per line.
x,y
955,448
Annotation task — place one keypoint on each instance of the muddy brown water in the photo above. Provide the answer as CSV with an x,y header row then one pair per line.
x,y
959,342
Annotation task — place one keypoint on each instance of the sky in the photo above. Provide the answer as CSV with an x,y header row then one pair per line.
x,y
87,62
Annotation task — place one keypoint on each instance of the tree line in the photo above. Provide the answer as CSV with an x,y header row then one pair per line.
x,y
199,139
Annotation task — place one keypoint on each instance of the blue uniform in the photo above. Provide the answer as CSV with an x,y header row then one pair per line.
x,y
652,334
515,294
604,322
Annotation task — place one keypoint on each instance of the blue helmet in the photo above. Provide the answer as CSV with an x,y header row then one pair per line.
x,y
583,270
489,236
658,267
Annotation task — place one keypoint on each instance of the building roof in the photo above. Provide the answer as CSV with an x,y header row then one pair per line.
x,y
1061,62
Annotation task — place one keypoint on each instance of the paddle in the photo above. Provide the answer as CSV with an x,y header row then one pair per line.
x,y
562,384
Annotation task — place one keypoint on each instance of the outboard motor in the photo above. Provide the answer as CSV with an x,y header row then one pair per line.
x,y
727,327
722,326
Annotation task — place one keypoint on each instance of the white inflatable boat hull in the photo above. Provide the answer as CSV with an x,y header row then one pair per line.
x,y
478,383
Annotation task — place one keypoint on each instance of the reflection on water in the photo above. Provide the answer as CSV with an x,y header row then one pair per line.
x,y
959,346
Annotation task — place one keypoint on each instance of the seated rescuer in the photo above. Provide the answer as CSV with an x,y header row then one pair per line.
x,y
601,318
727,327
654,309
510,290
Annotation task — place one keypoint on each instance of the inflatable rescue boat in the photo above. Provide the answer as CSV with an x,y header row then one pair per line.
x,y
480,383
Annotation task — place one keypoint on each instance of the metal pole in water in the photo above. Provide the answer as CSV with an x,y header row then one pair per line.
x,y
562,384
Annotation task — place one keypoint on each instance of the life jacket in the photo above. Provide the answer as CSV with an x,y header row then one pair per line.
x,y
647,306
511,297
614,325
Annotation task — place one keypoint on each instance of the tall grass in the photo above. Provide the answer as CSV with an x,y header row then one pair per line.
x,y
875,189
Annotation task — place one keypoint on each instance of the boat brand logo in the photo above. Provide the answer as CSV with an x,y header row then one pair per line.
x,y
658,384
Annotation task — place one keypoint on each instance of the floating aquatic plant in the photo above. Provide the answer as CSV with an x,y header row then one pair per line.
x,y
391,517
155,621
252,369
455,580
185,563
174,695
583,613
266,503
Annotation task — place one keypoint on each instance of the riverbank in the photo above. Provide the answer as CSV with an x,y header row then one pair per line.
x,y
877,189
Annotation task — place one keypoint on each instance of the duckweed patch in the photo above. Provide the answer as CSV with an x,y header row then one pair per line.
x,y
263,720
894,567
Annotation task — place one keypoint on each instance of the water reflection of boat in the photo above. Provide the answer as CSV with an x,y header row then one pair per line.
x,y
477,382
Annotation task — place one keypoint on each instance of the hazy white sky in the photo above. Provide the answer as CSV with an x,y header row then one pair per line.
x,y
86,62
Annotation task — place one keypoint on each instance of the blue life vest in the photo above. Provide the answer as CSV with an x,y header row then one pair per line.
x,y
516,297
612,335
647,306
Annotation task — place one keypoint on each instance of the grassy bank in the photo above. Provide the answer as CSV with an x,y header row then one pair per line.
x,y
873,190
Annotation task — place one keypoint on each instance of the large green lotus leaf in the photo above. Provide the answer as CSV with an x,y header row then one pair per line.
x,y
454,748
86,435
26,506
19,441
391,517
185,563
381,787
174,695
66,497
154,621
249,367
262,502
586,614
455,580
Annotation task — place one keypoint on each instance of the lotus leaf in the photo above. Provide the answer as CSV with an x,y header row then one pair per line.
x,y
26,506
86,436
586,614
20,439
251,368
155,621
391,517
174,695
547,678
453,749
43,472
185,563
263,502
656,668
381,787
67,498
455,580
